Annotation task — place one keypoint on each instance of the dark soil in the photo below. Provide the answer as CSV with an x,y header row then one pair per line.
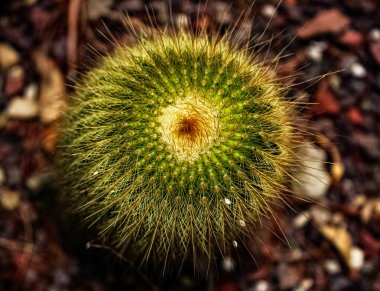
x,y
332,51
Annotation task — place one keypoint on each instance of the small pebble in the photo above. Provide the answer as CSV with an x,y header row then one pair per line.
x,y
306,284
374,34
356,258
35,182
296,254
9,200
335,81
31,91
228,264
262,285
22,108
313,180
332,267
315,51
337,219
268,11
301,219
358,71
181,20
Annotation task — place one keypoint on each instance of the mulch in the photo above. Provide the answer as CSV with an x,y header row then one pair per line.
x,y
332,51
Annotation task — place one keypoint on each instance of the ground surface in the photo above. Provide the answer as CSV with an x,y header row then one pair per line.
x,y
335,240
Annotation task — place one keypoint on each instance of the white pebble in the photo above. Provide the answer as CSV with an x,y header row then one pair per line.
x,y
315,51
356,258
95,173
227,201
31,92
228,264
358,71
235,243
33,182
332,267
22,108
181,20
301,219
268,11
374,34
312,180
262,285
242,222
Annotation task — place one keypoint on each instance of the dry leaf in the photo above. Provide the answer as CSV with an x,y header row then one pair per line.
x,y
52,98
22,108
370,208
9,200
8,56
340,238
325,101
49,137
326,21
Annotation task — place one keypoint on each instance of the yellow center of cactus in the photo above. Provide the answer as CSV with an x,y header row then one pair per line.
x,y
189,127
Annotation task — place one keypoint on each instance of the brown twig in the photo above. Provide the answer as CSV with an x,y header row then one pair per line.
x,y
72,35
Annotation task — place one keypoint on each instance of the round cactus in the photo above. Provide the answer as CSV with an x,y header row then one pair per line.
x,y
177,147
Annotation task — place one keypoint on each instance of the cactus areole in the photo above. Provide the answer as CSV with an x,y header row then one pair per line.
x,y
177,147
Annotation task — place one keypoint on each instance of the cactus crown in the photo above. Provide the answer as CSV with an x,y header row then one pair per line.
x,y
174,148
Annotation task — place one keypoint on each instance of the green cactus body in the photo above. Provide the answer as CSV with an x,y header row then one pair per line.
x,y
175,148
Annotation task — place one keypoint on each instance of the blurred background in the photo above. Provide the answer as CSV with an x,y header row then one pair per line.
x,y
331,50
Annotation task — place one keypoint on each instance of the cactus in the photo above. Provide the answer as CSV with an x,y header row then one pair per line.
x,y
176,148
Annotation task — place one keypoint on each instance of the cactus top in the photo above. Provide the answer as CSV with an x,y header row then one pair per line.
x,y
175,147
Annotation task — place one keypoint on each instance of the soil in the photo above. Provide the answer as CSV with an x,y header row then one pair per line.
x,y
330,50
